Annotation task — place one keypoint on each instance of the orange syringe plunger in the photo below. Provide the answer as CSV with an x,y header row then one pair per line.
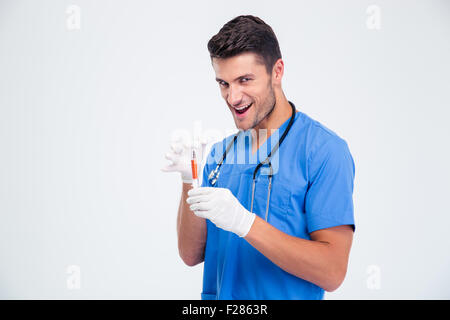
x,y
194,166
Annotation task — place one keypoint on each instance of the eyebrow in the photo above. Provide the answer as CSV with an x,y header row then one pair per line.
x,y
247,75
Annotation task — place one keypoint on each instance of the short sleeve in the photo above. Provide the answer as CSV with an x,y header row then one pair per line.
x,y
329,197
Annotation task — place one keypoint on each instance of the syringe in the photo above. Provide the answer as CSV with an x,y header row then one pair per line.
x,y
194,170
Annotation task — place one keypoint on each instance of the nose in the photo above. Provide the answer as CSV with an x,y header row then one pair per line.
x,y
234,96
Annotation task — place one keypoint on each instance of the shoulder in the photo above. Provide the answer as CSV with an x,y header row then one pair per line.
x,y
321,149
319,138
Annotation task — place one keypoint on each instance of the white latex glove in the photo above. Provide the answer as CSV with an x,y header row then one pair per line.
x,y
221,207
180,156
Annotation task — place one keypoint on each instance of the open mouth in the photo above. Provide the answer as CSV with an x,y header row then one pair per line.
x,y
242,110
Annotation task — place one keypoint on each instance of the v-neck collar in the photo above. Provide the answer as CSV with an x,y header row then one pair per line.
x,y
267,146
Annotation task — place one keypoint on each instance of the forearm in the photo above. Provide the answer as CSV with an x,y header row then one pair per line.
x,y
191,231
313,261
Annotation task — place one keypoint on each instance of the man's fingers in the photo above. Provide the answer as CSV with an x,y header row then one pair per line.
x,y
169,168
196,199
176,148
201,214
201,206
187,143
172,157
201,191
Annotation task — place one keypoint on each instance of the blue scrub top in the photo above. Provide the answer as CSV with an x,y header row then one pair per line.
x,y
312,189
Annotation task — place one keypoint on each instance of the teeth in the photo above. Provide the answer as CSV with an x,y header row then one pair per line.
x,y
242,108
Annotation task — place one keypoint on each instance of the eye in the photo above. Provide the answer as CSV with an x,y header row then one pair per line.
x,y
222,83
245,79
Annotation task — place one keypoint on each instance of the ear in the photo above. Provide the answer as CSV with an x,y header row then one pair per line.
x,y
278,71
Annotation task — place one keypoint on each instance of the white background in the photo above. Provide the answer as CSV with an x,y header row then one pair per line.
x,y
86,117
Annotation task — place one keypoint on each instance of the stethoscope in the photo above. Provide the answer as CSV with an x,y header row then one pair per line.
x,y
214,175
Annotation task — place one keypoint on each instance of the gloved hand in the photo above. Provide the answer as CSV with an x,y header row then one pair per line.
x,y
221,207
180,156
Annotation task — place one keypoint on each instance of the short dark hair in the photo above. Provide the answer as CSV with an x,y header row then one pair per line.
x,y
246,33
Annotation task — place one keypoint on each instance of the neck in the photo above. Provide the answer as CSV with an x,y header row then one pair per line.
x,y
280,114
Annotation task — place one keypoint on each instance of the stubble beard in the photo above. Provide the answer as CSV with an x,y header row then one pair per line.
x,y
269,106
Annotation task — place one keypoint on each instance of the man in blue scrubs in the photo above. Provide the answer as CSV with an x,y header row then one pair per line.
x,y
301,247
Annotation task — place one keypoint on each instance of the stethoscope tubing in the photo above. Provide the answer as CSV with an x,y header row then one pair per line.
x,y
214,175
